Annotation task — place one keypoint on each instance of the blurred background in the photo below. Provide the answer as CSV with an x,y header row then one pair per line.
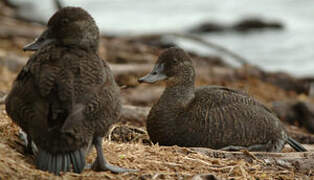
x,y
286,44
264,48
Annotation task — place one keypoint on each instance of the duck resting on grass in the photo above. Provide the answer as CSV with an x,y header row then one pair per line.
x,y
211,116
65,97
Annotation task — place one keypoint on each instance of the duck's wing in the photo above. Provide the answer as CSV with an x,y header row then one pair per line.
x,y
220,96
222,116
25,103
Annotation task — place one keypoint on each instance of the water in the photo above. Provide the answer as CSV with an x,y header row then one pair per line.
x,y
290,50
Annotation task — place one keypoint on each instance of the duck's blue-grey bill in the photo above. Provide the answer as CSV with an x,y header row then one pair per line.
x,y
39,42
157,74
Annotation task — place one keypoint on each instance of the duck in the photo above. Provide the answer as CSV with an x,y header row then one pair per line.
x,y
216,117
65,98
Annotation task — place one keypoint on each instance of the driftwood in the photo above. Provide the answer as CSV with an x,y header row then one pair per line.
x,y
131,69
144,95
20,31
297,161
134,114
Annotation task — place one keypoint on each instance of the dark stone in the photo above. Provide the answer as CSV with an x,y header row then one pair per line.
x,y
256,23
296,112
208,27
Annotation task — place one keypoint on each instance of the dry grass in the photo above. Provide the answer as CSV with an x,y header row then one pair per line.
x,y
153,162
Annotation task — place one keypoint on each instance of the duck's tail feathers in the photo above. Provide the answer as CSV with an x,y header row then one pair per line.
x,y
296,145
55,163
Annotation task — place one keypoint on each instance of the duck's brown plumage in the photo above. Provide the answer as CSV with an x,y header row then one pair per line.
x,y
57,82
211,116
65,97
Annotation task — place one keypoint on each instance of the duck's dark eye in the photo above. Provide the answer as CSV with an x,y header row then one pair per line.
x,y
64,21
175,61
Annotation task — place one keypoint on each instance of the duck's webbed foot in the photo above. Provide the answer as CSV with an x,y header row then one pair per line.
x,y
100,164
30,147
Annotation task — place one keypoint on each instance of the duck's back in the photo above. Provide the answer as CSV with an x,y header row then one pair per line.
x,y
220,117
67,95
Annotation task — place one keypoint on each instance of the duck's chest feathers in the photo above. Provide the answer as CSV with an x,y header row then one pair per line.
x,y
173,102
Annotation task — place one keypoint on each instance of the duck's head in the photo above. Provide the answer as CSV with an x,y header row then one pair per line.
x,y
174,66
70,26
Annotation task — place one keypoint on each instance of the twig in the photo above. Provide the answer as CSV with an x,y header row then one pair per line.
x,y
243,172
237,57
222,49
198,160
208,165
9,4
58,4
155,176
246,152
167,163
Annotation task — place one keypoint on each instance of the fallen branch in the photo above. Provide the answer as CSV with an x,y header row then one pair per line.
x,y
198,39
298,161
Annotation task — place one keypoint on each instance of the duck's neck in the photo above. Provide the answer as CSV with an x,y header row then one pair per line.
x,y
178,95
164,115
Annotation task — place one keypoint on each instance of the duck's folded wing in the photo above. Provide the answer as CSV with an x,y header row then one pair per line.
x,y
219,96
47,78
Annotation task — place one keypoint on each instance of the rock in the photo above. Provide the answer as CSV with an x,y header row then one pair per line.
x,y
306,114
208,27
296,112
256,23
245,25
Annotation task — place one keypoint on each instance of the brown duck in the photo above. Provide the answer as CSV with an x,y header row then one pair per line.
x,y
65,97
212,116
